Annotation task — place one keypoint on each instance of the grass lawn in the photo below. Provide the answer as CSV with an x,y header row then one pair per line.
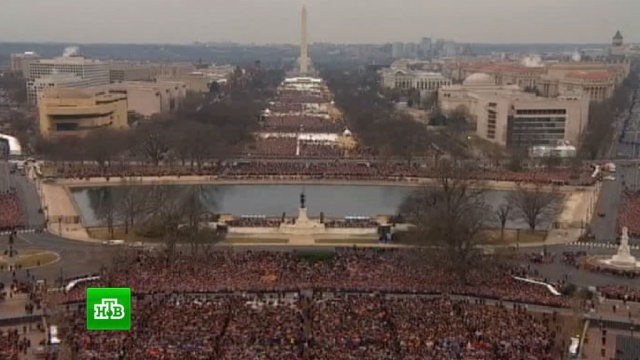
x,y
514,237
102,233
347,241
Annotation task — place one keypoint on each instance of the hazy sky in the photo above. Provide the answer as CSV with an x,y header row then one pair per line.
x,y
340,21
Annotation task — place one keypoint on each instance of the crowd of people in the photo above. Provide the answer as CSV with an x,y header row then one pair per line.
x,y
291,147
12,344
171,326
352,223
10,211
273,146
625,293
348,270
313,150
254,221
302,123
341,170
629,213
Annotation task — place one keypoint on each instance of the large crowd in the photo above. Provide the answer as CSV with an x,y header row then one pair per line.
x,y
303,123
629,213
171,326
357,304
12,344
364,170
349,270
625,293
10,212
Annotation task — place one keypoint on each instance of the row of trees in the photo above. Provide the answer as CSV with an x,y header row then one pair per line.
x,y
602,115
170,213
372,117
452,216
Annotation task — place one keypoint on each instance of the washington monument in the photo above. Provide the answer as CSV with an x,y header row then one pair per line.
x,y
303,61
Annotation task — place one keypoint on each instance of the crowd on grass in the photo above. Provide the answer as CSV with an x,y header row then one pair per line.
x,y
303,123
317,327
10,211
291,147
377,171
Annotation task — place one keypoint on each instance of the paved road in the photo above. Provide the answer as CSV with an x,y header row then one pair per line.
x,y
626,154
80,258
30,200
77,258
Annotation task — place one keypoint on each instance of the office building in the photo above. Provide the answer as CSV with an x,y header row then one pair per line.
x,y
95,72
507,116
199,81
125,71
425,47
76,112
20,62
68,81
397,50
147,98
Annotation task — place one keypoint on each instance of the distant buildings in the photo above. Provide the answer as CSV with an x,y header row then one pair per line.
x,y
508,116
200,80
74,112
46,71
620,49
147,98
20,62
126,71
54,81
402,74
597,80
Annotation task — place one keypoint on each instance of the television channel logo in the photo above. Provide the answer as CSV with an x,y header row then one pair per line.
x,y
108,309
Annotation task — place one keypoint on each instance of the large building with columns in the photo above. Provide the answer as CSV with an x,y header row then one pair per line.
x,y
597,80
403,75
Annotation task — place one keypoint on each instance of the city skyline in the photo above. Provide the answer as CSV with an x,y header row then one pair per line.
x,y
356,21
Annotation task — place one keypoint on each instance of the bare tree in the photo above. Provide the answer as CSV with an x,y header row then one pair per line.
x,y
132,203
166,214
103,202
534,205
103,145
196,204
152,142
451,221
504,213
177,213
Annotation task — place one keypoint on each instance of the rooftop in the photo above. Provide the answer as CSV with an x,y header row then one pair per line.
x,y
590,75
617,36
70,60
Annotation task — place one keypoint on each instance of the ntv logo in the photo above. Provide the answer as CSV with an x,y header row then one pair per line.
x,y
108,309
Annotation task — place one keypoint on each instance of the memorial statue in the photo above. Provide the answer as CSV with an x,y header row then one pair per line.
x,y
624,242
302,200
